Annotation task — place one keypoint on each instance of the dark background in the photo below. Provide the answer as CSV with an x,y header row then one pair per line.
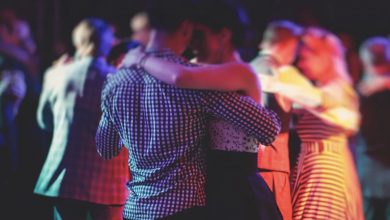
x,y
52,20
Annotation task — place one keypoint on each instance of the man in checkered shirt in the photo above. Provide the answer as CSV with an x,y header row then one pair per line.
x,y
164,128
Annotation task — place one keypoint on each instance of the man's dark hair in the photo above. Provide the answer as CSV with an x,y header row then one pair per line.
x,y
379,47
167,15
219,14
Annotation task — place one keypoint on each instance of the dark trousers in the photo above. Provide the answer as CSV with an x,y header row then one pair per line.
x,y
68,209
235,190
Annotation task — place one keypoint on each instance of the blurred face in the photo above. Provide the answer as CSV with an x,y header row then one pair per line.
x,y
81,35
140,29
374,60
85,47
78,35
208,45
313,61
284,50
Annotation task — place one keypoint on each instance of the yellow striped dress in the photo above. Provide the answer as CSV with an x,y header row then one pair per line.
x,y
324,181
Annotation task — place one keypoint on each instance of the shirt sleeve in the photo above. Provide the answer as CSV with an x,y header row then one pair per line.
x,y
44,111
340,106
108,141
243,112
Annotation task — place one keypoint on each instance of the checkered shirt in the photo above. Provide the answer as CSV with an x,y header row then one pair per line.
x,y
164,129
73,169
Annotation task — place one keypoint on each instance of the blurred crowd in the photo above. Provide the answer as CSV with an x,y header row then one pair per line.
x,y
330,160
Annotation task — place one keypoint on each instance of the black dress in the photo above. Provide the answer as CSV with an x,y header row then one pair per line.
x,y
234,188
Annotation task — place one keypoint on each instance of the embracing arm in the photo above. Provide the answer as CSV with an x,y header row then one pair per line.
x,y
291,84
232,76
341,111
336,103
310,97
108,142
243,112
226,77
340,106
335,109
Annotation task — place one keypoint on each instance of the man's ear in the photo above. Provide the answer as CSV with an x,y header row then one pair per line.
x,y
225,35
187,29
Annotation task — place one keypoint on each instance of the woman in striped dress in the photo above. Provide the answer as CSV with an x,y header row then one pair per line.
x,y
324,183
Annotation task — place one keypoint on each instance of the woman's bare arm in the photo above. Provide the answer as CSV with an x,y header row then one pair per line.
x,y
233,76
335,104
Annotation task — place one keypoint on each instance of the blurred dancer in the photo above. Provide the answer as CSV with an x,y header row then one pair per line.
x,y
374,56
12,93
325,184
140,27
278,49
82,183
373,147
